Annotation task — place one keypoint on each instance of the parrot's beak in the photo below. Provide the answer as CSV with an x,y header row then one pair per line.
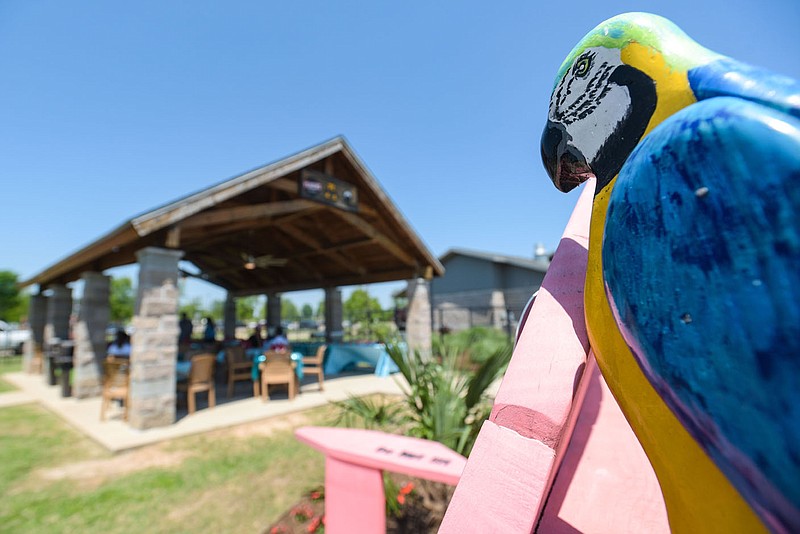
x,y
565,164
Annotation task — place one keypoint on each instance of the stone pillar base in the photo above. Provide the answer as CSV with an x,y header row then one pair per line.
x,y
154,344
418,325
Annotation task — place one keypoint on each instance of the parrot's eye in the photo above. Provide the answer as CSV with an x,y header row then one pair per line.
x,y
582,66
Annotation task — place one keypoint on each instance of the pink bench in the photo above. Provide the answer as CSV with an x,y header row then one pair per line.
x,y
354,459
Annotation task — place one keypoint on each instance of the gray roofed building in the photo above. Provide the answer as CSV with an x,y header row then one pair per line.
x,y
485,289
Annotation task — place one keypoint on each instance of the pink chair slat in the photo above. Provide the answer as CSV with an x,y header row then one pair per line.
x,y
605,482
556,435
512,466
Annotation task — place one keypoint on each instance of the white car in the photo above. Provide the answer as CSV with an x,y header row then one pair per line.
x,y
12,338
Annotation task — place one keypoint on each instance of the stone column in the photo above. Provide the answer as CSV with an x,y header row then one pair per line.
x,y
333,315
273,312
37,316
90,335
230,317
498,304
418,323
59,308
154,344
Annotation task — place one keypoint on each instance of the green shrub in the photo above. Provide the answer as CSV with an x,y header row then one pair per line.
x,y
442,402
479,342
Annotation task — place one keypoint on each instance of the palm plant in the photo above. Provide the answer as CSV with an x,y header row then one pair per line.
x,y
443,402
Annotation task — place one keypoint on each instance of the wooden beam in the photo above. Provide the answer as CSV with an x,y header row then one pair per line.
x,y
173,239
348,280
306,238
241,213
334,248
287,185
224,230
374,233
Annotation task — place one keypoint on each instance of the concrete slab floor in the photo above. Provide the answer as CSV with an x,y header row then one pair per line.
x,y
116,435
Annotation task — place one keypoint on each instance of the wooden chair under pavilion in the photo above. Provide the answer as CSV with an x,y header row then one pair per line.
x,y
201,378
239,368
313,365
116,384
278,369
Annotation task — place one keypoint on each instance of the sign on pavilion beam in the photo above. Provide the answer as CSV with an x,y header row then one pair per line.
x,y
320,187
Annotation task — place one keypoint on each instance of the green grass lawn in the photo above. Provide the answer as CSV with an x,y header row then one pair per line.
x,y
222,481
9,364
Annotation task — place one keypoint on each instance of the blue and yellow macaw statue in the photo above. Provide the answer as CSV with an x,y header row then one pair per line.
x,y
693,283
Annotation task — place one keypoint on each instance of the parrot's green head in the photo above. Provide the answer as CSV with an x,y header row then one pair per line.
x,y
620,81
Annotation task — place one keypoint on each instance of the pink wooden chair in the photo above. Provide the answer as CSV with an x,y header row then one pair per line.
x,y
354,461
556,455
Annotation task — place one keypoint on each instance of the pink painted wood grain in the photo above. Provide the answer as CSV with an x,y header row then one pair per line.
x,y
605,482
378,450
555,431
510,470
354,498
354,459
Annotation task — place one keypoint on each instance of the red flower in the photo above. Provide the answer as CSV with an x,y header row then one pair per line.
x,y
315,495
407,488
314,525
401,498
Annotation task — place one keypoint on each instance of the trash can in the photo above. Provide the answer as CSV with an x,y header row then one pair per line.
x,y
64,364
53,352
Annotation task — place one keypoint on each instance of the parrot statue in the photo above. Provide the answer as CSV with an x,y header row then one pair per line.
x,y
692,293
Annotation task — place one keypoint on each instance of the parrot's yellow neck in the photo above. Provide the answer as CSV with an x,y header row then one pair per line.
x,y
698,496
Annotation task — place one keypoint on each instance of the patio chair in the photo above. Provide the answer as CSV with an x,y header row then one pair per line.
x,y
116,384
239,368
313,365
278,369
201,378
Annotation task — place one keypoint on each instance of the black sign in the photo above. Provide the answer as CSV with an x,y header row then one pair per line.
x,y
318,186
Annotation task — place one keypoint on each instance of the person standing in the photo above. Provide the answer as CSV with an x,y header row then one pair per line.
x,y
210,334
186,328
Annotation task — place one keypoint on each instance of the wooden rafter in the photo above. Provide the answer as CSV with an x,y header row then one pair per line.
x,y
378,236
248,212
347,280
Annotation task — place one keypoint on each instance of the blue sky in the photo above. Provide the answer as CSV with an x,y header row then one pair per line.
x,y
110,109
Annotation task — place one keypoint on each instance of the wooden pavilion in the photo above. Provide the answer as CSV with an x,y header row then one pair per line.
x,y
316,219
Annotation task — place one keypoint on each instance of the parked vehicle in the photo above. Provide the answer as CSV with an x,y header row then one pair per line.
x,y
12,338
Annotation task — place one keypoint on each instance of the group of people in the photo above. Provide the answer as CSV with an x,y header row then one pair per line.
x,y
278,341
121,346
187,328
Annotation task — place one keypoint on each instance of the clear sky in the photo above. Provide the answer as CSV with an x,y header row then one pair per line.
x,y
110,109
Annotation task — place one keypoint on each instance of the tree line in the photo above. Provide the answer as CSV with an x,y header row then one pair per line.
x,y
359,307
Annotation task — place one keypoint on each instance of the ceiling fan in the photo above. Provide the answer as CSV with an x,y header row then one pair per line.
x,y
268,260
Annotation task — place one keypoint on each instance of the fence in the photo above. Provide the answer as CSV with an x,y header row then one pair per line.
x,y
455,318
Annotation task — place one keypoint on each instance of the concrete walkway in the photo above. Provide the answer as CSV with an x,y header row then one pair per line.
x,y
116,435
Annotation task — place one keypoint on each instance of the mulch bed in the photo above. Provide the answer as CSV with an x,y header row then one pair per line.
x,y
417,506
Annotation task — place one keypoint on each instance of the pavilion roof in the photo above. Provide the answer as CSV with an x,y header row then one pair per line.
x,y
262,217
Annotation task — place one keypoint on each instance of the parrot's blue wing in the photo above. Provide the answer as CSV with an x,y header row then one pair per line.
x,y
701,259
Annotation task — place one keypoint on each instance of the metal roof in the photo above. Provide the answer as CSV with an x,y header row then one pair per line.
x,y
533,264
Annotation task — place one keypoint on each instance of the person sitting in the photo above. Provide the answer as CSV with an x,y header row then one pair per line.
x,y
278,342
254,341
121,346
